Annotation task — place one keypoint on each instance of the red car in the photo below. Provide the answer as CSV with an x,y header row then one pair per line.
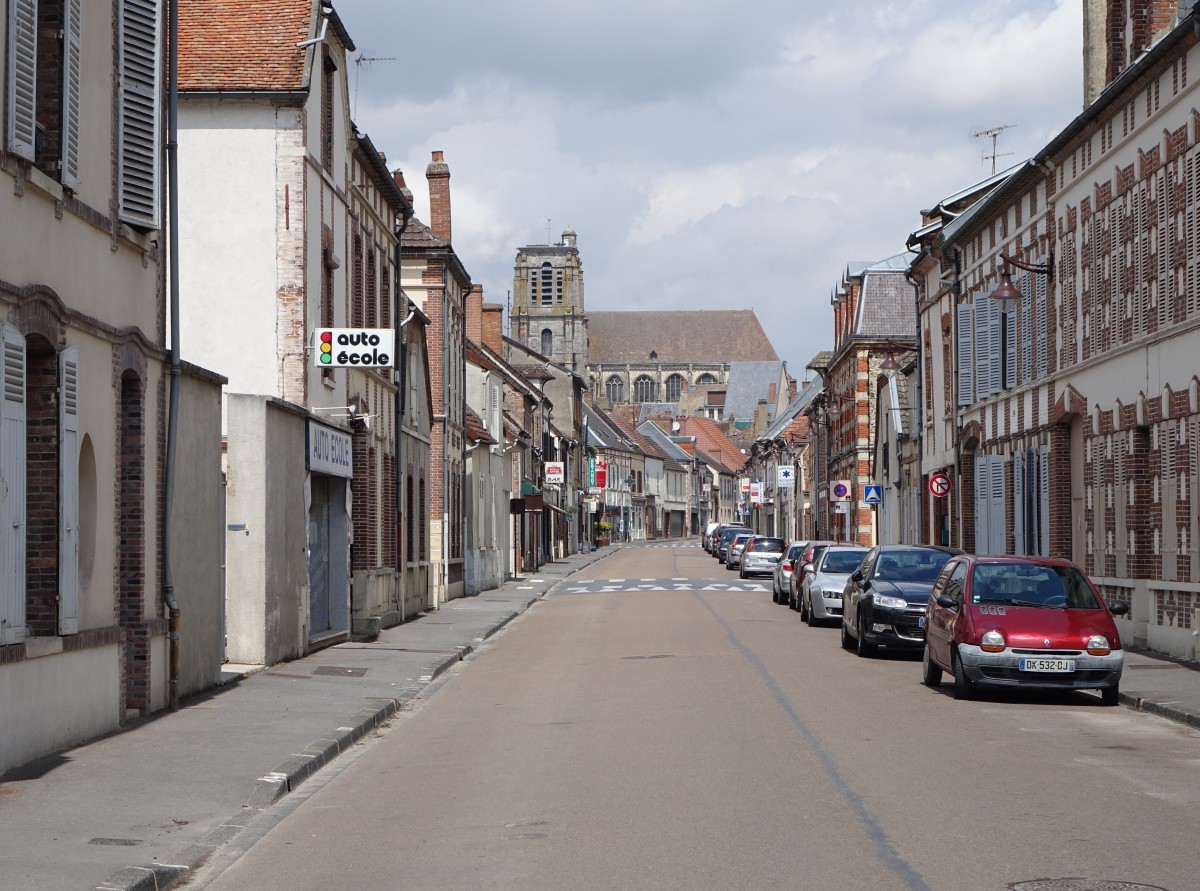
x,y
1021,622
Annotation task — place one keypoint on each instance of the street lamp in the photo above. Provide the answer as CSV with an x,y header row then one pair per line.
x,y
1005,293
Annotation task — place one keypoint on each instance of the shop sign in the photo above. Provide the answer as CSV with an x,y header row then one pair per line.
x,y
329,451
556,472
354,347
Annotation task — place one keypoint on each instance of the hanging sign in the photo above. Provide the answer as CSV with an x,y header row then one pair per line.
x,y
354,347
555,472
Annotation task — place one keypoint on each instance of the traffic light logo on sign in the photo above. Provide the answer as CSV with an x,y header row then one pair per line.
x,y
326,347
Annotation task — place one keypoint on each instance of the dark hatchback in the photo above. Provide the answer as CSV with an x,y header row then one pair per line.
x,y
885,599
727,535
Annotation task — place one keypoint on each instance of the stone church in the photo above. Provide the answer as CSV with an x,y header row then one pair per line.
x,y
662,357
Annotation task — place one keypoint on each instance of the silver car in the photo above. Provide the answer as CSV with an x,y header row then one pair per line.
x,y
821,597
734,557
760,556
781,584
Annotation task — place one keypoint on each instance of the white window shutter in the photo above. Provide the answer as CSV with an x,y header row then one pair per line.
x,y
72,62
12,485
1027,329
22,77
140,112
1018,496
966,361
1010,348
68,491
996,525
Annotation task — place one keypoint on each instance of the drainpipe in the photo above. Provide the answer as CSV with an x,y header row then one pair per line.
x,y
908,277
173,403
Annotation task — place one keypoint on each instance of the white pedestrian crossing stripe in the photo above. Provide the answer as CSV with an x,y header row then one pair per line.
x,y
615,586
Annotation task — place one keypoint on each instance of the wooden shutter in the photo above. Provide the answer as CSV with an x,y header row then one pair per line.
x,y
982,488
12,485
1010,348
140,112
72,62
1018,497
966,366
1040,325
68,491
996,525
22,77
1027,344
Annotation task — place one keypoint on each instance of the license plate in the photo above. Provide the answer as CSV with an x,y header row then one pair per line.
x,y
1054,665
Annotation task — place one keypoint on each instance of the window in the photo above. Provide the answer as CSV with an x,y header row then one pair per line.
x,y
423,540
327,71
674,387
706,379
371,293
1031,501
614,389
357,312
409,553
547,342
547,284
644,389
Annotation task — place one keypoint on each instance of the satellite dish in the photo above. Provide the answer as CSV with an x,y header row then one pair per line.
x,y
674,426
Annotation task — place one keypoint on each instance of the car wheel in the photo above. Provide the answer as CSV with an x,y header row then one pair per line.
x,y
864,649
742,572
931,674
964,687
847,640
808,614
1110,696
792,599
803,608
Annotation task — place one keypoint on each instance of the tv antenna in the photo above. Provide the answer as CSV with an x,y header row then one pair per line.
x,y
359,61
994,133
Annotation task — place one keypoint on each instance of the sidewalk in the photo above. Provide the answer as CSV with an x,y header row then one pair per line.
x,y
141,808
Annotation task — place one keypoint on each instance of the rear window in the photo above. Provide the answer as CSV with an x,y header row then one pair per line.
x,y
767,544
842,559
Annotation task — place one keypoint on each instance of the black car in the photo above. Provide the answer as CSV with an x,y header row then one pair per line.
x,y
884,600
727,535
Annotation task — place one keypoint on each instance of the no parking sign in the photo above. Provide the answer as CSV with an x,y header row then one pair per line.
x,y
839,490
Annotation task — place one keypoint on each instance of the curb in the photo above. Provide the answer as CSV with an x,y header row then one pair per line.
x,y
288,776
1162,709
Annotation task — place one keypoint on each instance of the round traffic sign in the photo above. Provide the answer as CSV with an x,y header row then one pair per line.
x,y
840,490
939,485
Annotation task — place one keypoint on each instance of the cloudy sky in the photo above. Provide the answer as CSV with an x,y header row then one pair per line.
x,y
710,155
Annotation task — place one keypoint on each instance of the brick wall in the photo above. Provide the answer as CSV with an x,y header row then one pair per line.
x,y
493,327
475,314
131,462
41,511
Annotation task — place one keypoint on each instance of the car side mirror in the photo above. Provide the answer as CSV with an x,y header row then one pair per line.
x,y
857,576
945,601
1118,607
808,567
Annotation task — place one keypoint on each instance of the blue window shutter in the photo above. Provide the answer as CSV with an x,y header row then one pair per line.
x,y
1041,328
1018,497
1027,345
1043,455
72,62
12,485
982,487
966,360
140,112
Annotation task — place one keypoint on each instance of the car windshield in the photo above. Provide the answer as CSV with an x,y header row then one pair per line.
x,y
910,566
843,560
740,540
730,534
795,552
1028,584
767,544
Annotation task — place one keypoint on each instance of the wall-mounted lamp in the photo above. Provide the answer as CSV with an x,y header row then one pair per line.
x,y
1006,294
890,363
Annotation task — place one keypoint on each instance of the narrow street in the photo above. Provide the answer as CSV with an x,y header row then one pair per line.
x,y
658,723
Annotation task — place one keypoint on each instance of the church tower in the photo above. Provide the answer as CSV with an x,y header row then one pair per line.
x,y
547,309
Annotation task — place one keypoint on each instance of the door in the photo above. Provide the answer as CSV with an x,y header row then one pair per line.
x,y
319,552
940,625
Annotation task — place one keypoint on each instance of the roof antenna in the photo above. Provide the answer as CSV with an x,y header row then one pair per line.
x,y
994,132
359,61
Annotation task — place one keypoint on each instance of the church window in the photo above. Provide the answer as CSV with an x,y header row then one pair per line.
x,y
644,389
614,388
547,284
558,285
674,387
547,342
706,378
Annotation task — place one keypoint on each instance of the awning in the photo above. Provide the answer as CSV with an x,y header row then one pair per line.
x,y
529,488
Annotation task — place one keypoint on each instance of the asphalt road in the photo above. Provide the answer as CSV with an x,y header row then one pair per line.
x,y
637,735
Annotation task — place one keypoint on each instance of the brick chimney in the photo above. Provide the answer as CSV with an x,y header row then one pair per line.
x,y
475,314
398,176
438,175
1115,34
493,327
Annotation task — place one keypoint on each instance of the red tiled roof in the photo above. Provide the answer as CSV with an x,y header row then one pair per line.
x,y
476,431
243,45
713,440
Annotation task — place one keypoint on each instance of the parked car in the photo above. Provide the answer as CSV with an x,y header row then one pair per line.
x,y
760,556
727,536
884,599
1021,622
821,595
781,578
706,540
733,557
812,551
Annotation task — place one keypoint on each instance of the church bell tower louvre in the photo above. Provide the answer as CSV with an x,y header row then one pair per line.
x,y
547,313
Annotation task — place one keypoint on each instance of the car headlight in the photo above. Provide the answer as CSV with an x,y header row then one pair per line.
x,y
992,642
1097,645
890,602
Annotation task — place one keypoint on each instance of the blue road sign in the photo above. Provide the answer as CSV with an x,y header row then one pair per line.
x,y
873,494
